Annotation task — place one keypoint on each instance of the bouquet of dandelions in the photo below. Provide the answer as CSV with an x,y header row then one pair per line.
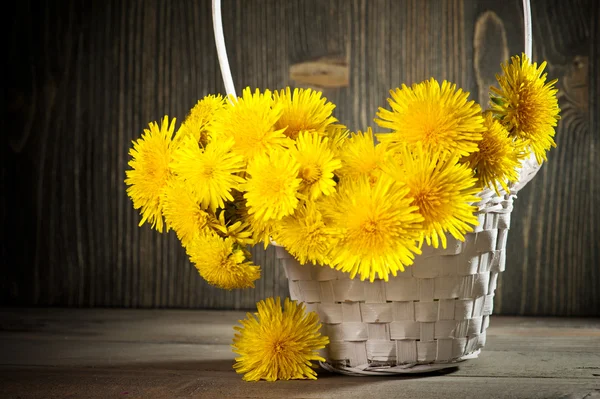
x,y
277,166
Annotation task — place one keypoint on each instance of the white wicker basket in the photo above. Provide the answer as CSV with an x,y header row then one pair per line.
x,y
431,316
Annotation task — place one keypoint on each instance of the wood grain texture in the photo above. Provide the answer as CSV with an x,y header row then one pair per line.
x,y
326,72
84,79
181,353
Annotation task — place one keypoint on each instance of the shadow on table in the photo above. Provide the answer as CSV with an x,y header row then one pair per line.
x,y
204,379
226,366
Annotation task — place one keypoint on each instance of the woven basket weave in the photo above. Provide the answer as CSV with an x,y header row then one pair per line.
x,y
429,317
436,311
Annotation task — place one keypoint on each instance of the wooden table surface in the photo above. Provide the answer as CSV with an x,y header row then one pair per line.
x,y
110,353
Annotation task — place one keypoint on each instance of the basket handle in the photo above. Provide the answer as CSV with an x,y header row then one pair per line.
x,y
224,62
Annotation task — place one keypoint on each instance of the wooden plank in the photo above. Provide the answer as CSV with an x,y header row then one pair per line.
x,y
101,383
525,360
183,340
185,326
182,353
86,77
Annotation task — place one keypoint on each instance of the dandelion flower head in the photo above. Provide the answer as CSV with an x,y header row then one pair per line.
x,y
442,189
338,135
271,190
278,343
527,105
198,119
150,172
250,122
361,157
304,110
221,262
182,211
211,172
497,160
236,229
317,164
305,235
377,228
440,117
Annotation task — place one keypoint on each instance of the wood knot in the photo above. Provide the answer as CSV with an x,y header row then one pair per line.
x,y
324,72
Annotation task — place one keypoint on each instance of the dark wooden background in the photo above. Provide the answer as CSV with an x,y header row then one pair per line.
x,y
83,78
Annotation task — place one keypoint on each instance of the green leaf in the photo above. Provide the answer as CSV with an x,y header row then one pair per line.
x,y
497,100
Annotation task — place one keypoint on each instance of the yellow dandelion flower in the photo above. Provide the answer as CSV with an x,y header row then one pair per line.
x,y
182,211
304,110
377,228
338,135
262,230
150,172
438,116
210,172
197,120
361,157
527,105
251,228
317,164
239,231
443,190
278,344
250,122
305,235
272,188
497,160
221,262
